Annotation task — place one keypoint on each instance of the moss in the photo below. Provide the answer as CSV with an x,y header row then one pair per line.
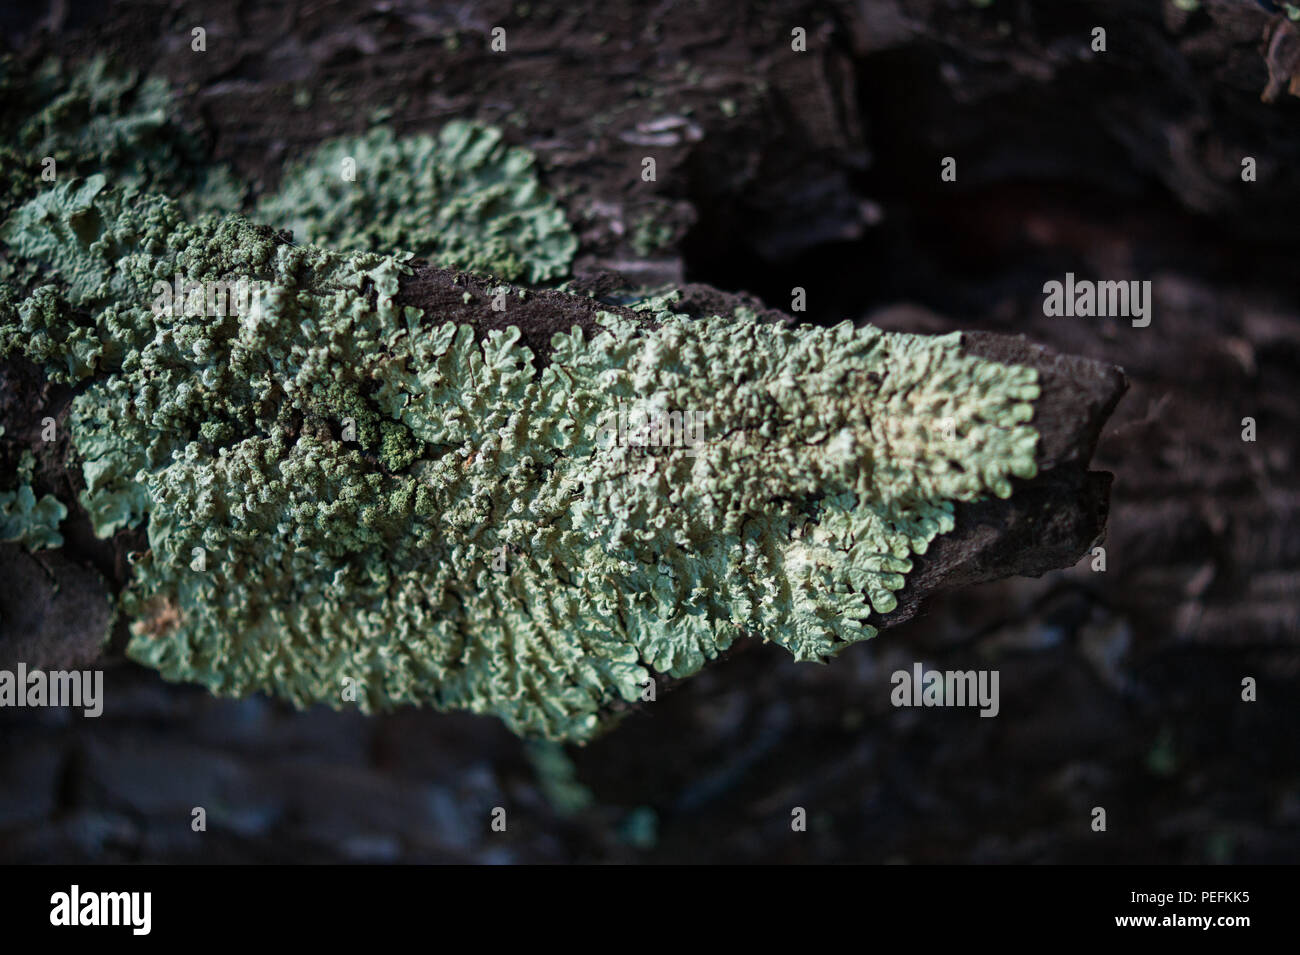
x,y
462,200
502,550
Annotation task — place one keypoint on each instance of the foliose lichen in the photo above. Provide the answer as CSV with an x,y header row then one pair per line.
x,y
26,520
490,538
95,118
462,199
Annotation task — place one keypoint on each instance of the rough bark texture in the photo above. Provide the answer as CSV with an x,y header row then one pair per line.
x,y
820,170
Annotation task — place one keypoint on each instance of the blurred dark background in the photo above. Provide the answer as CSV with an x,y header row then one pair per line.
x,y
820,170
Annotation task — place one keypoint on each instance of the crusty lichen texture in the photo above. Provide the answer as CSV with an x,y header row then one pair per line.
x,y
486,542
462,199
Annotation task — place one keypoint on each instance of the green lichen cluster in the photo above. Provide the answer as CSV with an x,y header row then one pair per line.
x,y
484,543
343,495
26,520
462,199
96,118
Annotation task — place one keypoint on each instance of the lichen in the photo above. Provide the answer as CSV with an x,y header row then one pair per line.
x,y
651,235
26,520
95,118
490,540
462,199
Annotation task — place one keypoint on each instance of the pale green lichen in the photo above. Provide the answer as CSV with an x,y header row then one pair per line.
x,y
651,235
462,200
26,520
485,544
94,118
